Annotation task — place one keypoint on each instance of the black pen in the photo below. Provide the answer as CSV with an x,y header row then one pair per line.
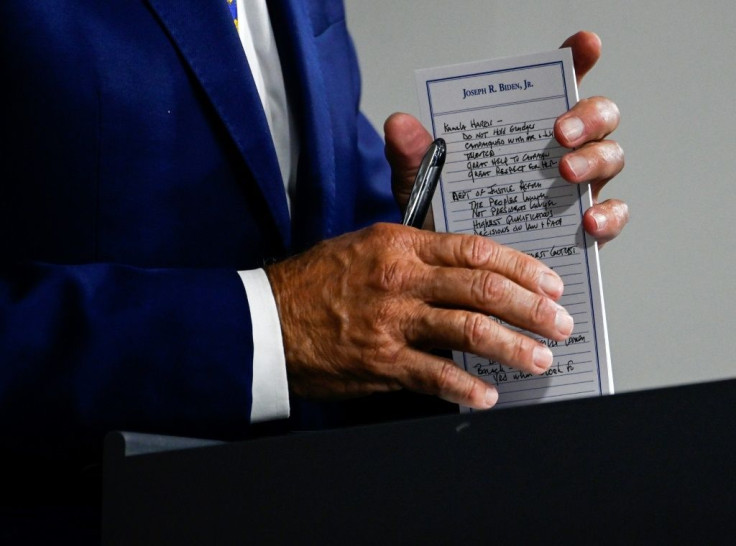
x,y
425,184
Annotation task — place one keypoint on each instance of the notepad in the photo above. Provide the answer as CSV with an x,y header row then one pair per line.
x,y
501,180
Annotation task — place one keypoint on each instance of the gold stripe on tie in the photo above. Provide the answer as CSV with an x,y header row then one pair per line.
x,y
233,11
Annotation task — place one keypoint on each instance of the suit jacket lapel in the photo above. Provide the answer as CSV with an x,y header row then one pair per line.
x,y
314,205
209,42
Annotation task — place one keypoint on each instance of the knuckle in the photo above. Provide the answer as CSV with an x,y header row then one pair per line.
x,y
526,269
542,311
619,152
475,330
491,288
621,213
611,152
379,229
608,113
384,315
384,340
389,236
605,106
391,256
625,214
381,358
472,390
380,351
446,378
391,276
612,109
608,158
385,234
519,352
479,251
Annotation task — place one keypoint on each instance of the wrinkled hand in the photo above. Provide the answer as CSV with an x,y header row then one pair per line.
x,y
584,128
359,312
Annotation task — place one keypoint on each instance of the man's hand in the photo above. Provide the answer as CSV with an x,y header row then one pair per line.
x,y
595,159
359,313
584,128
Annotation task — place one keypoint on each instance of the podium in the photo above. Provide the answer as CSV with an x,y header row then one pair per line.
x,y
655,467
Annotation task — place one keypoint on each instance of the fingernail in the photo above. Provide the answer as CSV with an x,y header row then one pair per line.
x,y
542,357
578,165
572,128
491,397
551,285
564,322
600,220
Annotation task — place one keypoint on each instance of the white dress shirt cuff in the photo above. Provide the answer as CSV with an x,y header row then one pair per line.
x,y
270,389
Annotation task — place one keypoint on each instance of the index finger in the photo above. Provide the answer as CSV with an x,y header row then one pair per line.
x,y
476,252
590,119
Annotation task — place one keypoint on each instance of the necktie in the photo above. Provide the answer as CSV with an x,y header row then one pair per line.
x,y
233,5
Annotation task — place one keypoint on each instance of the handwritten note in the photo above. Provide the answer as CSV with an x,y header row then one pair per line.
x,y
501,180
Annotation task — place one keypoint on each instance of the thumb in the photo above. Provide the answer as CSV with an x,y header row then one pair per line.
x,y
586,50
406,142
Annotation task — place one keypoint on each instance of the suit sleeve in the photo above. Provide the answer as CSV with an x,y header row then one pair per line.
x,y
87,349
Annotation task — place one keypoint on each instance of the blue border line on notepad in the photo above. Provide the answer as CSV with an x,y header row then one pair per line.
x,y
580,203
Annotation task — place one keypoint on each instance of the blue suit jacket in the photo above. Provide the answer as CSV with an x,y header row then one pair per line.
x,y
138,175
